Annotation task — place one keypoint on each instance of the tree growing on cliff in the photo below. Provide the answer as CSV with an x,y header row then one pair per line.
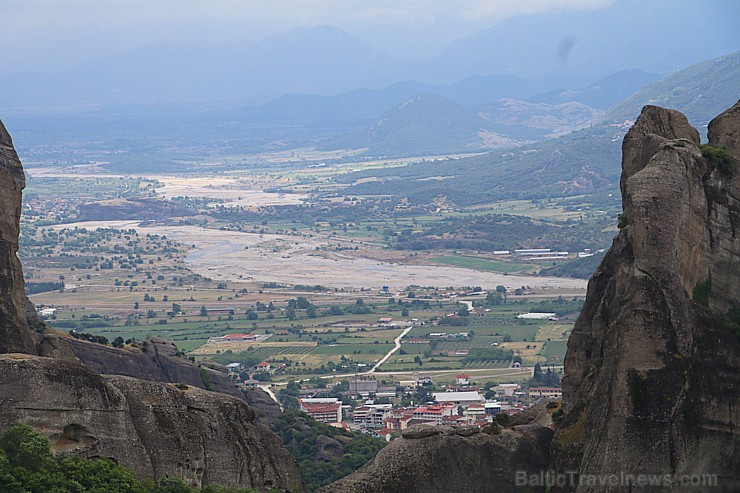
x,y
28,465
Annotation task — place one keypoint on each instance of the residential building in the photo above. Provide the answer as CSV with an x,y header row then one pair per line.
x,y
492,408
549,392
506,391
363,385
324,410
432,412
372,416
462,379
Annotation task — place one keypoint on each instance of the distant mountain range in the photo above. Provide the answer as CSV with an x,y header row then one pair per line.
x,y
409,118
602,94
701,91
582,162
570,49
426,123
433,125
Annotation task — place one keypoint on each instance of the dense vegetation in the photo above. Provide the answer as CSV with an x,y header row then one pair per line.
x,y
504,231
27,465
547,378
43,287
719,159
302,436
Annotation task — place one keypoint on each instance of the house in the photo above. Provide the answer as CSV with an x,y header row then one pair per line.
x,y
476,409
264,366
324,410
462,379
385,320
432,412
458,352
425,380
492,408
234,367
549,392
386,434
48,313
363,385
372,415
506,391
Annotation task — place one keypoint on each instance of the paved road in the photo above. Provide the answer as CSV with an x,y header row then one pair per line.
x,y
397,340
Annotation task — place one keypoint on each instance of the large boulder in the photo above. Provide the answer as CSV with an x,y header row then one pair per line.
x,y
651,372
651,382
451,462
15,331
155,429
154,359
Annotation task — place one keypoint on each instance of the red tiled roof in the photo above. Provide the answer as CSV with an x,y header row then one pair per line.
x,y
321,407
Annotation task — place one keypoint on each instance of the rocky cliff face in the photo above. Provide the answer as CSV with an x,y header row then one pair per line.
x,y
441,459
84,398
156,360
155,429
15,332
651,374
652,383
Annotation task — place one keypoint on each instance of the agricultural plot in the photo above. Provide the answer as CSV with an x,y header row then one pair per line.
x,y
478,263
554,351
487,364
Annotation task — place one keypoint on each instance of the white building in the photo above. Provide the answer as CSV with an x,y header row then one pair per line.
x,y
463,398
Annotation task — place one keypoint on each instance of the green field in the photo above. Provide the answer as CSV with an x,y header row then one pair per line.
x,y
554,351
484,264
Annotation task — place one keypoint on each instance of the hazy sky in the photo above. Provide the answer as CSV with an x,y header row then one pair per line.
x,y
51,35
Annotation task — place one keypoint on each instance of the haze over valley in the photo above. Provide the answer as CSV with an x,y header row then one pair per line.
x,y
364,228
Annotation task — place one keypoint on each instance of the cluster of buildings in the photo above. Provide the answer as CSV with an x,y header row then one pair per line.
x,y
460,404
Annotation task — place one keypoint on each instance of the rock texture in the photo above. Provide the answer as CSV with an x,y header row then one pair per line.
x,y
157,430
651,380
263,405
156,360
651,376
15,332
84,396
442,460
